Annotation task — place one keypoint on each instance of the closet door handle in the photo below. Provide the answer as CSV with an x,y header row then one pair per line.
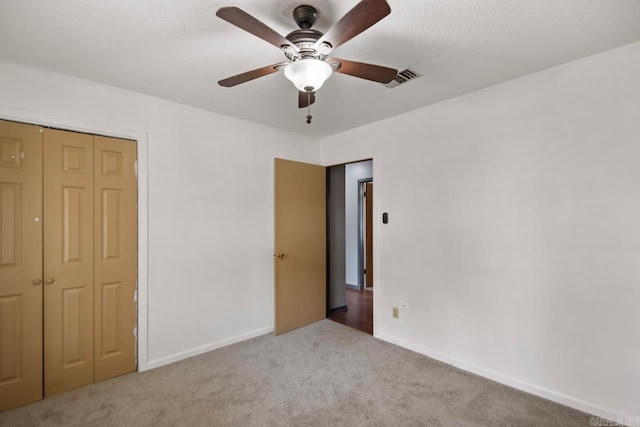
x,y
50,280
37,282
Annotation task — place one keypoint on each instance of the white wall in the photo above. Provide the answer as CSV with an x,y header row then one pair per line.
x,y
513,233
210,204
353,173
514,230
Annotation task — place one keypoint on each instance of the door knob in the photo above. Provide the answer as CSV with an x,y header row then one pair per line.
x,y
280,255
37,282
50,280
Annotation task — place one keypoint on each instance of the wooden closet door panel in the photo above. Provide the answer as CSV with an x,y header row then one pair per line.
x,y
116,251
20,264
68,260
300,244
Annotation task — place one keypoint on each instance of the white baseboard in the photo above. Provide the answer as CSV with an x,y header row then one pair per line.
x,y
156,363
573,402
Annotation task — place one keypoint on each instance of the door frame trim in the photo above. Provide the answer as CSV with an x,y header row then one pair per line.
x,y
376,232
141,138
351,157
361,231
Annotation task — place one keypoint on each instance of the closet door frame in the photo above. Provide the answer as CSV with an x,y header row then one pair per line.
x,y
140,137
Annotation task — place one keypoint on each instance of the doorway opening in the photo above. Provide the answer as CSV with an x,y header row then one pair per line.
x,y
350,280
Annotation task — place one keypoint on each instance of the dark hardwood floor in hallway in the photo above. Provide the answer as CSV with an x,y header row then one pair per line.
x,y
360,313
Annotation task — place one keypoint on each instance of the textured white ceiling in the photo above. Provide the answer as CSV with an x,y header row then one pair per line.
x,y
179,49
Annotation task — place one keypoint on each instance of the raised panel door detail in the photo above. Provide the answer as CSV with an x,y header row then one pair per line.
x,y
73,320
74,160
68,260
115,231
110,337
111,224
20,264
111,163
10,339
10,224
10,152
74,224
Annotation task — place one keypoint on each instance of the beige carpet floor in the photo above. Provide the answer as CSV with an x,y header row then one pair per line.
x,y
325,374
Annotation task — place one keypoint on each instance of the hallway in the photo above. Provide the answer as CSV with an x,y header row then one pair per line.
x,y
360,313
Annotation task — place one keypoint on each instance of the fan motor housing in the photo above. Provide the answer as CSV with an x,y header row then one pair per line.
x,y
304,36
305,41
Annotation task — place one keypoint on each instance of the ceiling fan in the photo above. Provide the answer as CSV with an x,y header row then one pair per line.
x,y
307,50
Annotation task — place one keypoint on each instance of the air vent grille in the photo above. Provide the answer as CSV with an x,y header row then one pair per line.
x,y
402,77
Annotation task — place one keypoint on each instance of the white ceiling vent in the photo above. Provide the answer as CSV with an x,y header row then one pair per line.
x,y
402,77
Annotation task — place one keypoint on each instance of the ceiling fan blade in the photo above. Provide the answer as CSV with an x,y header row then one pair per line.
x,y
242,19
376,73
250,75
304,100
362,16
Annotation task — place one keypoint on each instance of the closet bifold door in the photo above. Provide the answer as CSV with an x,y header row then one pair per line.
x,y
20,264
115,256
68,260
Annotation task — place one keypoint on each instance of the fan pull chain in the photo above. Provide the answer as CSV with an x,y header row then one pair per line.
x,y
309,108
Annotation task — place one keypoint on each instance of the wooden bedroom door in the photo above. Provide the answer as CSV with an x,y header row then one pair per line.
x,y
300,244
20,264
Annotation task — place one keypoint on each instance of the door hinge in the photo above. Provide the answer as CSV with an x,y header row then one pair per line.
x,y
135,168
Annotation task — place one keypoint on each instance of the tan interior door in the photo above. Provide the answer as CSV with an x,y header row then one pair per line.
x,y
115,256
300,244
369,234
68,260
20,264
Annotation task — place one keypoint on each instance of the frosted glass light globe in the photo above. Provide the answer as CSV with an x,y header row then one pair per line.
x,y
308,75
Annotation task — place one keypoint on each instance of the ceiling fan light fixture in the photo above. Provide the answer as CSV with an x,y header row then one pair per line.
x,y
308,74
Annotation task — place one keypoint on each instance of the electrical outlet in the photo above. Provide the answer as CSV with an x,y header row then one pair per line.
x,y
405,306
396,313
